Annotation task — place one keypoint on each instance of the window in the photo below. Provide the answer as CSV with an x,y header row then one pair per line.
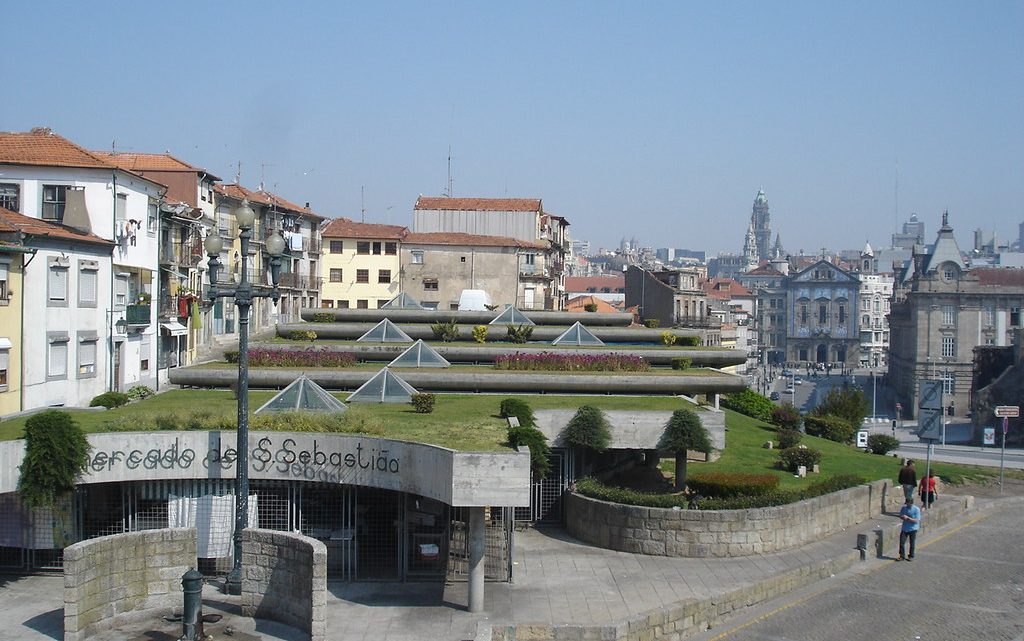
x,y
88,283
381,302
384,276
54,199
337,246
1015,317
803,316
990,314
949,272
948,383
865,320
948,315
363,247
57,358
391,249
362,304
362,275
335,275
5,363
152,218
822,314
327,303
377,248
121,208
57,283
865,305
842,314
121,290
430,284
9,196
5,275
87,343
417,257
462,259
949,346
342,304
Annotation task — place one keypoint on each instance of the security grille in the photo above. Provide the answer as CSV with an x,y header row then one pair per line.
x,y
497,544
546,494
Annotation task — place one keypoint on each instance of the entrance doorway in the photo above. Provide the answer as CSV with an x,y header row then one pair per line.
x,y
822,354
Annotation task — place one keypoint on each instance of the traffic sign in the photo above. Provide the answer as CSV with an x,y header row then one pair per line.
x,y
1006,426
1007,411
931,395
990,436
929,424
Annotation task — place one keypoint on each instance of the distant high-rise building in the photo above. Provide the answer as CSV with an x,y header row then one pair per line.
x,y
913,234
761,221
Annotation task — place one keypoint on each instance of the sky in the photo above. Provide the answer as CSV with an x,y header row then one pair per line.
x,y
653,120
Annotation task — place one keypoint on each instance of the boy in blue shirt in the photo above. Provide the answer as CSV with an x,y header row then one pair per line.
x,y
910,514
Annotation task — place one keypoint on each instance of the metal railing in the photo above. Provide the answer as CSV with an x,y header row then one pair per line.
x,y
137,315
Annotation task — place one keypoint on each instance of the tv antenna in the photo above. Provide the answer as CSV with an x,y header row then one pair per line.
x,y
448,192
362,203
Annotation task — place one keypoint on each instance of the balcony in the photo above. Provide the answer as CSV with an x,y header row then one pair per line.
x,y
298,281
697,321
137,315
533,272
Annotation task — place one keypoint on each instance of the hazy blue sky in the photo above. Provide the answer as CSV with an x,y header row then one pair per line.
x,y
653,120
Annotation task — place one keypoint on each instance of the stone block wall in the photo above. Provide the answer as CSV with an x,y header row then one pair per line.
x,y
285,579
721,533
108,577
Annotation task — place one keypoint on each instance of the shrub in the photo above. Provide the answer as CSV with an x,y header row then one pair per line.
x,y
668,339
480,333
832,484
730,484
688,341
446,331
652,323
589,429
323,317
590,307
684,432
231,355
794,457
534,439
834,428
750,403
109,400
302,335
139,392
882,443
786,416
423,402
789,438
519,408
56,452
681,362
520,333
551,361
849,404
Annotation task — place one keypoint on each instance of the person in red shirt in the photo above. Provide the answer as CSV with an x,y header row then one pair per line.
x,y
927,489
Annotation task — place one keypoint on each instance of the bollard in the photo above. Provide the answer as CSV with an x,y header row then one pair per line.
x,y
192,613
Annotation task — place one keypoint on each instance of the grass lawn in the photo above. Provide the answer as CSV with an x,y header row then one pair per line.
x,y
743,453
467,422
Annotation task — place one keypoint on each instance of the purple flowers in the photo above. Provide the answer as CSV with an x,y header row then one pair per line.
x,y
311,357
551,361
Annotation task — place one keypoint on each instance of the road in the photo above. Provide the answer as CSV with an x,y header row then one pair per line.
x,y
965,584
963,454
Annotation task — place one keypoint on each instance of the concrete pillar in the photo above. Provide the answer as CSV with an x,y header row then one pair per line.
x,y
714,400
477,561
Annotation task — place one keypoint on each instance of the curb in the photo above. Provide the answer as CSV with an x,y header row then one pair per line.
x,y
679,620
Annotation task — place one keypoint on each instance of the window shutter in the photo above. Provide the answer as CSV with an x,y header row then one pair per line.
x,y
58,358
4,358
58,283
88,282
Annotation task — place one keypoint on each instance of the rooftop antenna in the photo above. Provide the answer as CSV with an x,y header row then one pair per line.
x,y
448,193
896,199
238,172
362,203
263,171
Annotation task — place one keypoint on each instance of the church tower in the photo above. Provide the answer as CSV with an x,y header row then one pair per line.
x,y
761,221
750,256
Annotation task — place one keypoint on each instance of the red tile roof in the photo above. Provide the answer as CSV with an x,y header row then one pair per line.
x,y
596,283
455,238
141,162
999,276
724,289
478,204
15,222
346,228
263,197
579,303
41,147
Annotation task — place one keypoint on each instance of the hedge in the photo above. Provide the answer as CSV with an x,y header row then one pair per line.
x,y
732,484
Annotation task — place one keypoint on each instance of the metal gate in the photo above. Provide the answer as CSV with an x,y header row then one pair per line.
x,y
546,494
497,545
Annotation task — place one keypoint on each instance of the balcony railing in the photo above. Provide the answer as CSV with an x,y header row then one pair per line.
x,y
298,281
137,315
697,321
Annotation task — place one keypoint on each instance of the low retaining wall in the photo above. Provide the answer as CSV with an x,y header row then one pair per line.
x,y
285,580
721,533
108,577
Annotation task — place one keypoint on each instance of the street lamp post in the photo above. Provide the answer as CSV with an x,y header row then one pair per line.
x,y
243,294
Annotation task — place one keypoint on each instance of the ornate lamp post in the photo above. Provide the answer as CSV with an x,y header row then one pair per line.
x,y
243,293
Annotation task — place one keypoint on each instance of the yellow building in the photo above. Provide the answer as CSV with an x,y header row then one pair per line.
x,y
10,322
360,266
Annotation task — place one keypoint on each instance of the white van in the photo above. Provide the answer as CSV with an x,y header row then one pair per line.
x,y
474,300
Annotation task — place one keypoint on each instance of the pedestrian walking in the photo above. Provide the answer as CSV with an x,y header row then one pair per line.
x,y
908,479
927,489
910,514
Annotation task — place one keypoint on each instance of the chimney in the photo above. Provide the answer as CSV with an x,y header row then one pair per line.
x,y
76,216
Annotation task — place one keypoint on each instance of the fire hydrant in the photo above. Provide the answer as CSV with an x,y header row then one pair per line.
x,y
192,613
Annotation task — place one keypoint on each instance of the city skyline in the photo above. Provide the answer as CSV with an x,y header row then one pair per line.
x,y
630,121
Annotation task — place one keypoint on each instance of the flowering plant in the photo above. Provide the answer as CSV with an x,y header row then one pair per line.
x,y
550,361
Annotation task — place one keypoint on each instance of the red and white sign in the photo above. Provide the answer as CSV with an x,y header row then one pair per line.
x,y
1007,411
1006,426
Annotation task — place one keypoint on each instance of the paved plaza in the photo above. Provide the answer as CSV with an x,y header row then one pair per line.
x,y
557,581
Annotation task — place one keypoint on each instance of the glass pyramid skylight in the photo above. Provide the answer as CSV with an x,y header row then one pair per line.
x,y
511,316
302,395
577,335
402,301
385,332
419,355
385,387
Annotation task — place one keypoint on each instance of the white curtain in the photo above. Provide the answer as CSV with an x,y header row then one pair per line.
x,y
213,517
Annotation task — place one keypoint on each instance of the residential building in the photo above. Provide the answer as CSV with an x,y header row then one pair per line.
x,y
672,298
12,251
610,288
361,266
187,215
523,219
821,304
47,177
873,316
941,313
733,305
437,266
590,302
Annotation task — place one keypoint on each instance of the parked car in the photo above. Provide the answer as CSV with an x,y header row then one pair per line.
x,y
787,373
798,380
774,396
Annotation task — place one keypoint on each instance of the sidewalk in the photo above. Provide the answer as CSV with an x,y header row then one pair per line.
x,y
562,589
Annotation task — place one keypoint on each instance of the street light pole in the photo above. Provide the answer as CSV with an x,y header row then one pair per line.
x,y
243,295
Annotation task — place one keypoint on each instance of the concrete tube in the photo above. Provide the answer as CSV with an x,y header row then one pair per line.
x,y
477,560
495,333
540,317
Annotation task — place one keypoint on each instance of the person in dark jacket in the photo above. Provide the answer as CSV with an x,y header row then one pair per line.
x,y
908,479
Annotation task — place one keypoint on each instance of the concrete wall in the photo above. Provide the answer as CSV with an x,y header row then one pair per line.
x,y
452,269
285,580
721,533
108,577
631,430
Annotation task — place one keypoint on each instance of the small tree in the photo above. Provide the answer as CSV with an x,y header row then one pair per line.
x,y
589,430
685,432
849,404
56,452
540,452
